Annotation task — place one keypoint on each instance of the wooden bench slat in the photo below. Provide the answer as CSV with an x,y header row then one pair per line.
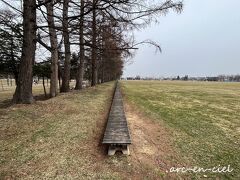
x,y
117,131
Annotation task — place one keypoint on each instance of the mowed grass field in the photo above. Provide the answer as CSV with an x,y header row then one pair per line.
x,y
203,117
60,138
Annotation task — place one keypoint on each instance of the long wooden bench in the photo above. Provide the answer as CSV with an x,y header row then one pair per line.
x,y
117,134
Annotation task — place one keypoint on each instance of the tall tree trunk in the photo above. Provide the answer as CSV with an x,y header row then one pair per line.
x,y
59,80
11,80
66,73
7,79
44,87
23,92
94,42
12,57
16,74
59,74
80,74
54,50
2,85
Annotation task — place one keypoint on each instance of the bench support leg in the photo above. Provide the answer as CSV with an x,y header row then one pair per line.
x,y
112,149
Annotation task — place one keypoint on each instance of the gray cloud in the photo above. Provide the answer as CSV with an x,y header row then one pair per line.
x,y
203,40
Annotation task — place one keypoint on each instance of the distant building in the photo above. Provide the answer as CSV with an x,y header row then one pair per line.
x,y
137,78
212,78
130,78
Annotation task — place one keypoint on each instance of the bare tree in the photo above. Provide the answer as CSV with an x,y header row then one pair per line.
x,y
66,73
94,39
99,30
79,79
54,50
23,92
10,42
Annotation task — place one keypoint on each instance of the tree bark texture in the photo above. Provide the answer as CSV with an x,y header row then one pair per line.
x,y
66,73
80,74
54,51
23,92
94,43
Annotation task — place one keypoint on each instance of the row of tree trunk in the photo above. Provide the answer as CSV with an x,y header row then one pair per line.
x,y
100,27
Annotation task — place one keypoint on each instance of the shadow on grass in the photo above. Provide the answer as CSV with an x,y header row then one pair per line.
x,y
8,102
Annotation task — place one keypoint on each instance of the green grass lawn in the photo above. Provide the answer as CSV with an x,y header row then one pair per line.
x,y
203,118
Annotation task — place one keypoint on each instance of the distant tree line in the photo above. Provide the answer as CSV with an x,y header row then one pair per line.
x,y
221,78
84,39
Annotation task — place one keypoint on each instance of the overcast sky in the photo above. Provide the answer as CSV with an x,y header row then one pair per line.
x,y
203,40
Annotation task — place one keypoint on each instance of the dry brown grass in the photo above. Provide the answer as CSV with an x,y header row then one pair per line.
x,y
60,138
57,138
